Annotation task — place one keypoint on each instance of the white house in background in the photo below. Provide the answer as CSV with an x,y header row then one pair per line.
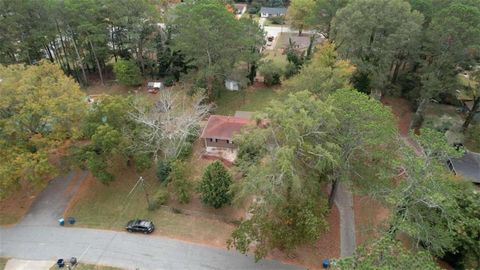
x,y
268,12
232,85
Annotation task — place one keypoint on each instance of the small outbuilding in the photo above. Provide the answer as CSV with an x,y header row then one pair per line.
x,y
467,166
269,12
232,85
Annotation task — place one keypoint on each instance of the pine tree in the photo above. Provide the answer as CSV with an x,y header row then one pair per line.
x,y
215,185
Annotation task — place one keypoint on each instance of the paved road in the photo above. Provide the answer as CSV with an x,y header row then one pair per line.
x,y
344,202
121,249
39,237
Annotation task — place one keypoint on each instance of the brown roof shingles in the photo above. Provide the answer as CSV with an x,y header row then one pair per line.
x,y
223,127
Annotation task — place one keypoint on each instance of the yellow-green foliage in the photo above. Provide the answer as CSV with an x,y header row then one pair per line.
x,y
40,108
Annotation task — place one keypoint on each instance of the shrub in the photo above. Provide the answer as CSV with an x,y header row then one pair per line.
x,y
169,81
179,181
163,170
127,72
290,70
185,151
215,185
278,20
271,73
159,198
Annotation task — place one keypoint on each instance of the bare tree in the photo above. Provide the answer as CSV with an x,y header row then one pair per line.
x,y
166,124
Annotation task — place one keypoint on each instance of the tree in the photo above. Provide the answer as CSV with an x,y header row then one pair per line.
x,y
40,108
325,11
215,185
324,74
179,182
288,209
472,90
208,33
165,126
300,14
127,72
271,73
366,131
386,253
377,45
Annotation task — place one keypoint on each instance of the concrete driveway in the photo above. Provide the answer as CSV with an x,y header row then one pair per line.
x,y
15,264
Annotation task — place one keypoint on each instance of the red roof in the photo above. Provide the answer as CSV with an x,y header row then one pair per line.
x,y
223,127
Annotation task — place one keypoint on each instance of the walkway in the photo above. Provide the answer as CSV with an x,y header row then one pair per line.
x,y
344,202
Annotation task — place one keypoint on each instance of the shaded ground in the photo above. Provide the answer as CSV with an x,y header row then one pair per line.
x,y
328,246
403,111
369,214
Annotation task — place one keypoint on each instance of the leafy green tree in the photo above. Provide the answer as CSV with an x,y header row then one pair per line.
x,y
324,74
215,185
366,131
208,33
127,72
40,108
181,185
271,73
288,209
386,253
378,45
324,13
300,14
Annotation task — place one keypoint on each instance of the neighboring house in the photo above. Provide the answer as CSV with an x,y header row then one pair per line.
x,y
467,166
232,85
240,9
219,134
268,12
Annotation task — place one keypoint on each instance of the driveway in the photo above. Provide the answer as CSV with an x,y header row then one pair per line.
x,y
39,237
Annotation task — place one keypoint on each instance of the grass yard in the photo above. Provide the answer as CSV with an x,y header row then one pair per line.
x,y
82,266
108,207
442,117
3,262
245,100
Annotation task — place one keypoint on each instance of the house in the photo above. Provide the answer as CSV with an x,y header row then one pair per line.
x,y
467,166
240,9
268,12
232,85
219,134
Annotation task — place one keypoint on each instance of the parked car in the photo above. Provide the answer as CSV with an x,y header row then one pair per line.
x,y
139,225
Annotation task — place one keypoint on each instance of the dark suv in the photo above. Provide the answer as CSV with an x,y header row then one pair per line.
x,y
138,225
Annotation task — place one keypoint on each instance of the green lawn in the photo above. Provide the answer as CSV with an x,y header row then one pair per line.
x,y
3,262
109,207
245,100
82,266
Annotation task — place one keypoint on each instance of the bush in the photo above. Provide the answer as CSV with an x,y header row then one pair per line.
x,y
159,198
271,73
185,151
127,72
215,185
179,181
169,81
278,20
290,70
163,170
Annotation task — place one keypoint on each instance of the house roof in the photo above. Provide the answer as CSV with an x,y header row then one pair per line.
x,y
240,6
223,127
468,166
273,10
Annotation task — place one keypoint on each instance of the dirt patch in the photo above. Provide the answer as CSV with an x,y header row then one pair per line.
x,y
311,256
14,207
403,110
369,215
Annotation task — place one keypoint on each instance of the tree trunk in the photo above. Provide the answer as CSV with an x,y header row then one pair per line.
x,y
140,56
97,62
79,59
333,192
471,113
50,56
418,117
113,43
396,69
63,48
